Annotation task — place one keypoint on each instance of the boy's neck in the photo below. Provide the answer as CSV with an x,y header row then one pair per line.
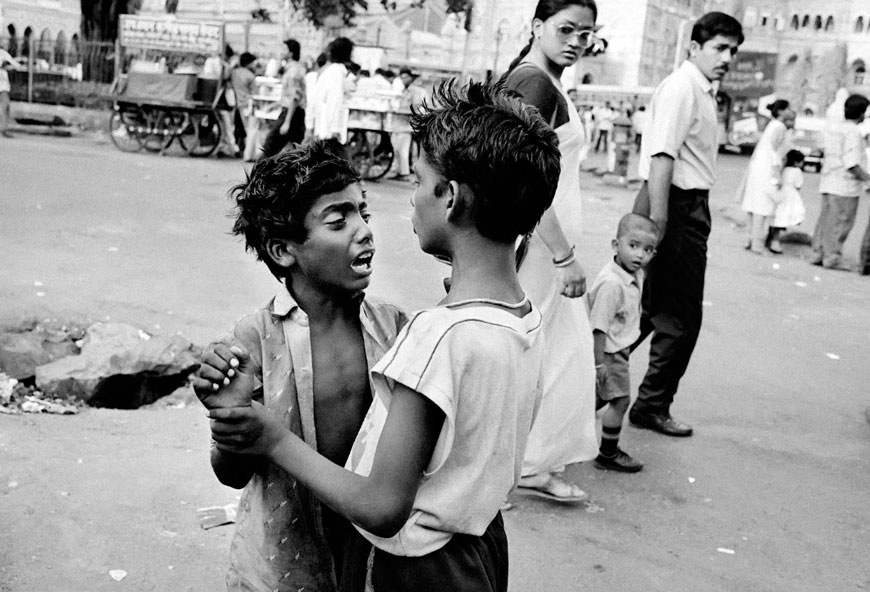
x,y
483,269
321,306
619,262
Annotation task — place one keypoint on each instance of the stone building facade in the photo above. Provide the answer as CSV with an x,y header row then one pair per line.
x,y
49,23
820,46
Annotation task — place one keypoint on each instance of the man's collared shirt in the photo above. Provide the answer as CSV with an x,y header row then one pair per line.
x,y
844,149
279,542
682,124
614,306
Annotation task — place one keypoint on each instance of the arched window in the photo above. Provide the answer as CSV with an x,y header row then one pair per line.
x,y
25,41
60,49
859,24
43,48
13,41
829,23
817,23
805,22
795,22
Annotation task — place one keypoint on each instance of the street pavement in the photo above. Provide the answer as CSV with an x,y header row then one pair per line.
x,y
769,495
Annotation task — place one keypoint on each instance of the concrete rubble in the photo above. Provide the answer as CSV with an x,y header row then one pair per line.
x,y
105,365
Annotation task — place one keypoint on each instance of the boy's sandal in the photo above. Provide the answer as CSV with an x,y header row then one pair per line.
x,y
553,488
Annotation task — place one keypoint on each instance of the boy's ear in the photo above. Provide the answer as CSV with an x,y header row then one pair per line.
x,y
615,244
454,206
282,252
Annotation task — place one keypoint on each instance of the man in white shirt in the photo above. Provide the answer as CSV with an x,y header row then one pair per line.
x,y
843,173
604,117
6,62
326,118
677,162
638,122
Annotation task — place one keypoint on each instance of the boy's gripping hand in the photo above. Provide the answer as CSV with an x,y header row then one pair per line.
x,y
247,430
224,377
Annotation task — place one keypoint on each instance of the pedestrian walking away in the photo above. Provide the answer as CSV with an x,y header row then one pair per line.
x,y
843,174
6,63
564,432
412,96
758,192
677,164
242,79
289,128
326,117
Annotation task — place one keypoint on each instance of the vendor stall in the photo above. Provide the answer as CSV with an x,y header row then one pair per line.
x,y
169,87
371,119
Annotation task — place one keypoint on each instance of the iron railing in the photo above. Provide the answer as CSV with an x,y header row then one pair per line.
x,y
75,73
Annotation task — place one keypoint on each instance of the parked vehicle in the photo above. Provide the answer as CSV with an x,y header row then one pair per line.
x,y
807,137
742,100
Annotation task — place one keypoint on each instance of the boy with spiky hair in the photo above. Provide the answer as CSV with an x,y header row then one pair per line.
x,y
455,397
307,356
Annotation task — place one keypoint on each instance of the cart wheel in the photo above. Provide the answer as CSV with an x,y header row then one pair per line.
x,y
157,132
175,125
358,151
207,129
381,155
371,153
124,128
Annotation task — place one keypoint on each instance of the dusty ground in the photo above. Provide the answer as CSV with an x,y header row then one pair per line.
x,y
769,495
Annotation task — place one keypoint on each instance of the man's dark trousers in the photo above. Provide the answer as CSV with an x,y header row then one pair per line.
x,y
673,298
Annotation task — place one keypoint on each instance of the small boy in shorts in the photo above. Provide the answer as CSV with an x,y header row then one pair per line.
x,y
304,214
614,314
456,396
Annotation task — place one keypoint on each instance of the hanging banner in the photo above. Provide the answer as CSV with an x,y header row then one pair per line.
x,y
145,32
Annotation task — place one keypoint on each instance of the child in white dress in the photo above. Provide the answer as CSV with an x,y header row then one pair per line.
x,y
790,209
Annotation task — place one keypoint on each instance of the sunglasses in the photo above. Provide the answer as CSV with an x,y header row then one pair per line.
x,y
586,37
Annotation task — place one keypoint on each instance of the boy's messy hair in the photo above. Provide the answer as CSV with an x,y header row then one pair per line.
x,y
273,201
484,137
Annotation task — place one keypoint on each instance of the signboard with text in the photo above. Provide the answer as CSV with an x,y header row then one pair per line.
x,y
752,74
163,34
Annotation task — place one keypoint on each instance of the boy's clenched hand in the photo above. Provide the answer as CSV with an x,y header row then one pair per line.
x,y
224,378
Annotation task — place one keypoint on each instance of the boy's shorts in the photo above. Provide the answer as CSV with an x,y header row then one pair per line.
x,y
465,564
618,383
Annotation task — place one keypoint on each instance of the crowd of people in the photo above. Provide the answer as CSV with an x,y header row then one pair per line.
x,y
770,190
313,101
376,449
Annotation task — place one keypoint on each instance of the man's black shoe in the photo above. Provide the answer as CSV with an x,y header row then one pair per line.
x,y
661,423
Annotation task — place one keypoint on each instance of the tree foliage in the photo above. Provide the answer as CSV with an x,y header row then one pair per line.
x,y
100,17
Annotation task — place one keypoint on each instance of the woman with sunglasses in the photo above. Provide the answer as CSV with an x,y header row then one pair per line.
x,y
564,431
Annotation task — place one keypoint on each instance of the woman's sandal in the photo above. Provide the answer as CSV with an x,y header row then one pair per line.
x,y
553,488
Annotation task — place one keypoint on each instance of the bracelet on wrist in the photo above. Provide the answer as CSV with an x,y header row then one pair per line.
x,y
565,260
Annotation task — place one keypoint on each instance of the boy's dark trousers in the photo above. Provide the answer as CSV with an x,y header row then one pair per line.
x,y
465,564
673,298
